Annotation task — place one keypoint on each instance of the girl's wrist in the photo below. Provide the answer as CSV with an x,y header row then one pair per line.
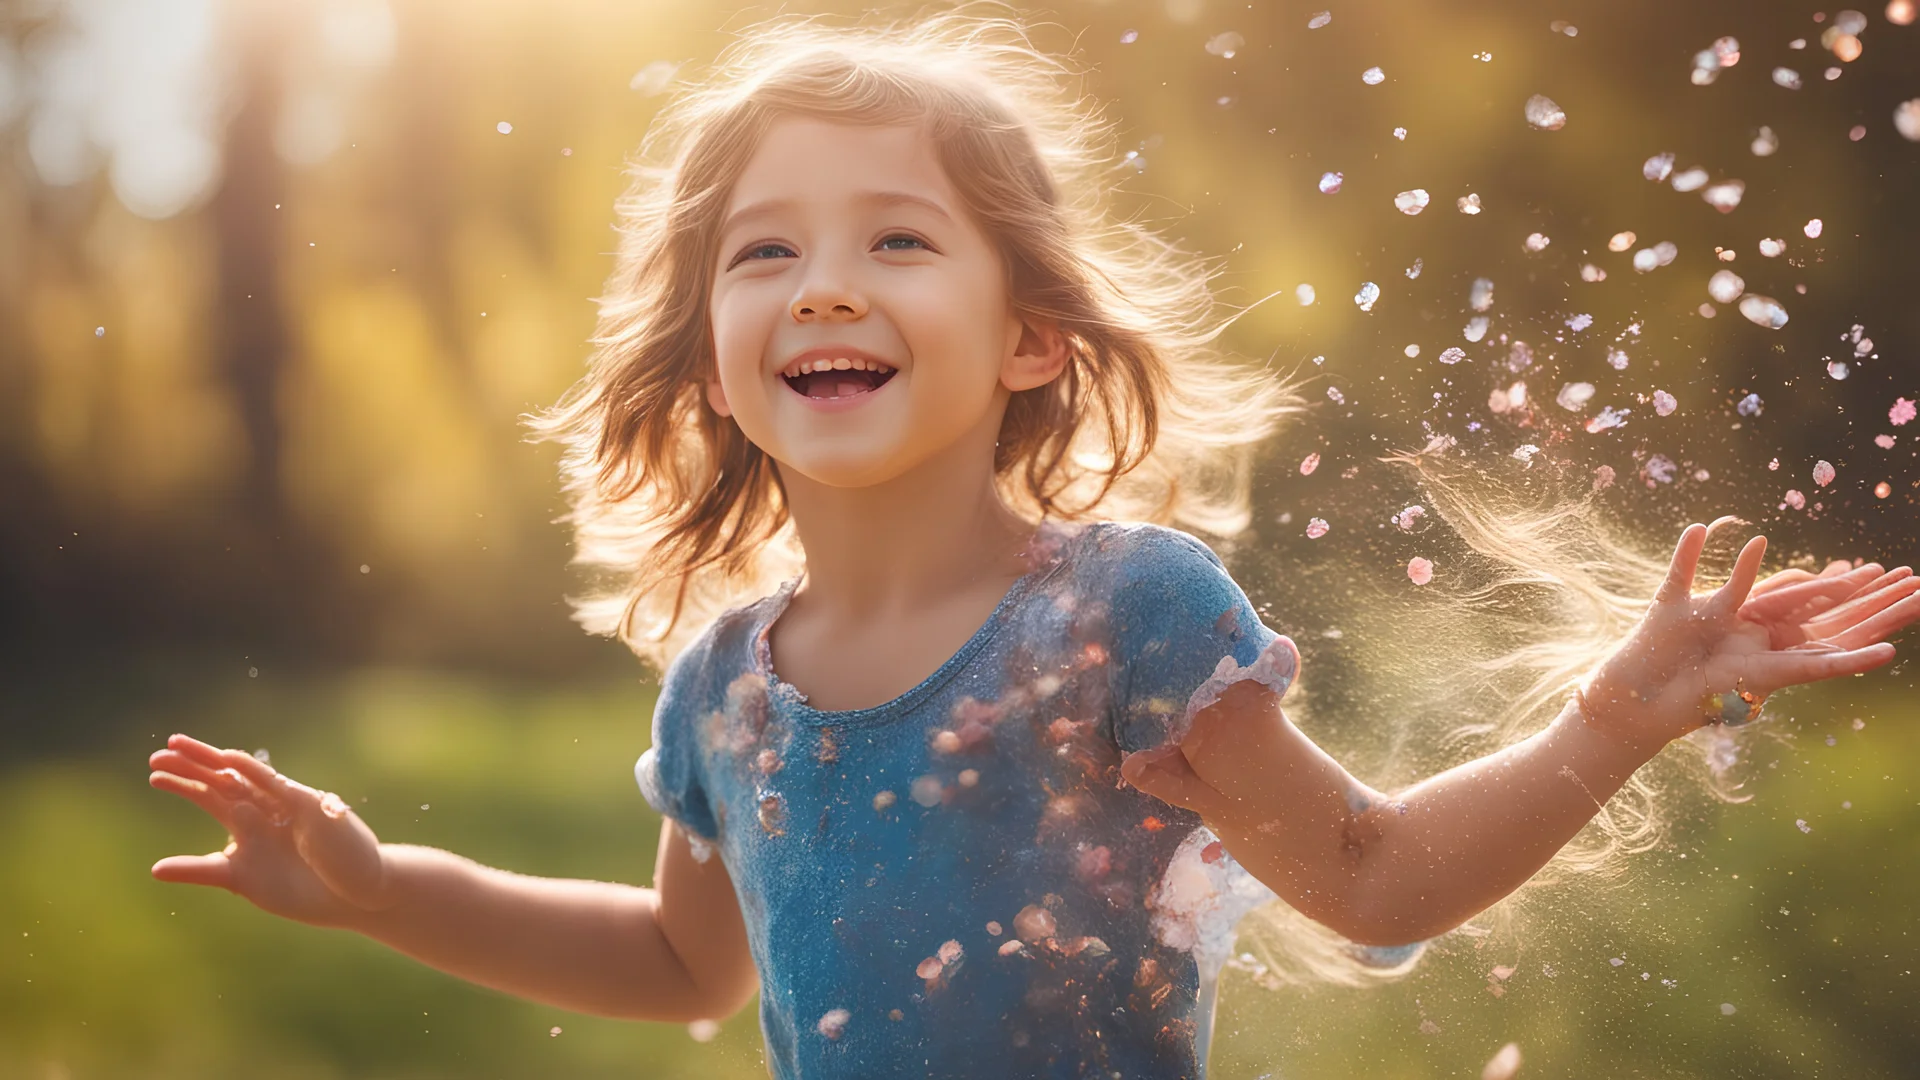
x,y
1616,723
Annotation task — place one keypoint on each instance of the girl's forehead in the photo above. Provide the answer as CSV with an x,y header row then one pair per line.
x,y
806,160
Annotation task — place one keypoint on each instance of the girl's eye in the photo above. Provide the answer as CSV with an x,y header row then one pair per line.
x,y
902,236
753,252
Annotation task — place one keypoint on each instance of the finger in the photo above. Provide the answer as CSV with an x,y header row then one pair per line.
x,y
211,869
1858,610
1795,603
1686,559
1780,579
1728,598
1170,778
1881,626
1837,566
198,793
1770,671
179,764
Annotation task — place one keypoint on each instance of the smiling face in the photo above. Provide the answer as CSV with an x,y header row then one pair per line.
x,y
860,319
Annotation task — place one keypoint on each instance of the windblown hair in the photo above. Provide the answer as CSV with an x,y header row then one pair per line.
x,y
681,517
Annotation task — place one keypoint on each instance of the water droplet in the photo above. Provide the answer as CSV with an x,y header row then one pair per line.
x,y
1763,311
1468,203
1900,12
1786,77
1621,241
1368,294
1226,44
1691,179
1452,355
1766,143
1128,37
927,790
1657,168
1544,114
1373,76
1725,286
1906,119
1838,370
503,128
1822,473
253,673
833,1023
1303,293
773,813
1725,195
1664,403
1881,490
1574,396
1419,570
1330,182
1480,296
1317,528
1320,19
99,331
1411,202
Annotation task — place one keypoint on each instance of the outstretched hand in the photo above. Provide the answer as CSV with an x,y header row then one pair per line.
x,y
1758,637
293,851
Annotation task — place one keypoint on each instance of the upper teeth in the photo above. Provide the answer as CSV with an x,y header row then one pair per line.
x,y
843,363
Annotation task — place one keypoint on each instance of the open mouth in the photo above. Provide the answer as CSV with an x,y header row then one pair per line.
x,y
827,379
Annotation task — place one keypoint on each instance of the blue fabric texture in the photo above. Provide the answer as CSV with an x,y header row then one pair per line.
x,y
957,882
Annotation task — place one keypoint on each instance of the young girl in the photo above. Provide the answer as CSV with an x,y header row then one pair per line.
x,y
983,787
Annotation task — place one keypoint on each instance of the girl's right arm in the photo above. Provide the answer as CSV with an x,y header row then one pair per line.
x,y
677,951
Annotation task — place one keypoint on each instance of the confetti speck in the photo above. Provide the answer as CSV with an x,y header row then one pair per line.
x,y
1319,20
503,128
1725,286
1657,168
1621,241
1330,182
1411,202
1664,403
1419,570
1304,293
1902,411
1317,528
833,1023
1368,294
1763,311
1906,119
1814,228
1822,473
1469,203
1543,113
1786,77
1452,355
1771,248
1801,824
1727,1009
1373,76
1309,463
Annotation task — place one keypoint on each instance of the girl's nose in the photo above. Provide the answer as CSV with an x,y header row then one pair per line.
x,y
818,304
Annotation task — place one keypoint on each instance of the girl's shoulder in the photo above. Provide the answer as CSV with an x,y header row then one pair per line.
x,y
1136,550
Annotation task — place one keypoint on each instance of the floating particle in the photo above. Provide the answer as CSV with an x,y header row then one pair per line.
x,y
930,968
1226,44
654,78
1660,469
1330,182
1900,12
1580,322
1725,195
1751,405
1411,202
1453,354
1318,360
1303,292
1519,356
1484,56
1801,824
503,128
1846,47
1414,270
1309,463
1692,179
1536,242
1906,119
1412,519
1883,441
1725,286
1476,328
1621,241
1525,454
1706,68
1334,395
1504,1065
1772,248
1400,133
553,1032
1707,311
1468,203
968,777
1592,273
1602,480
1857,132
1419,570
884,800
1317,528
1645,261
99,331
1373,76
1364,299
1607,419
1766,143
926,790
1617,359
1786,77
1480,296
1664,403
1412,351
1574,396
833,1023
951,952
1814,228
1774,465
1657,168
1832,73
1010,947
1665,252
1129,37
1902,411
1544,114
993,928
1838,370
1034,923
1793,499
1320,19
1863,347
1881,490
1726,254
1822,473
1763,311
1562,26
773,813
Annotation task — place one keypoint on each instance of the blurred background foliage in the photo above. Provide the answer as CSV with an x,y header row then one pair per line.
x,y
278,279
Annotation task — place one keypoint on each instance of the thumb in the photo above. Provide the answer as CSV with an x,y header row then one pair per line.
x,y
1165,774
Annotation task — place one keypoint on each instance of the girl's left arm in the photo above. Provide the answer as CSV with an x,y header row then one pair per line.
x,y
1392,869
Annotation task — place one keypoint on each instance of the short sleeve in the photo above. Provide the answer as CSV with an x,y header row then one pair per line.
x,y
670,771
1183,632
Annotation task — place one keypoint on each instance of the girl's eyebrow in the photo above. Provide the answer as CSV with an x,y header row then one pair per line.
x,y
871,198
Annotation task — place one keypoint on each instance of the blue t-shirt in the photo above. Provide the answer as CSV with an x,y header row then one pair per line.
x,y
957,882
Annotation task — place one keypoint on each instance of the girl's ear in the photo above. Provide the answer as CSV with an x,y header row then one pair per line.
x,y
1038,357
717,396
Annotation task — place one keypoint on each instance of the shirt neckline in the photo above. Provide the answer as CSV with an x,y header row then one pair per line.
x,y
1050,551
